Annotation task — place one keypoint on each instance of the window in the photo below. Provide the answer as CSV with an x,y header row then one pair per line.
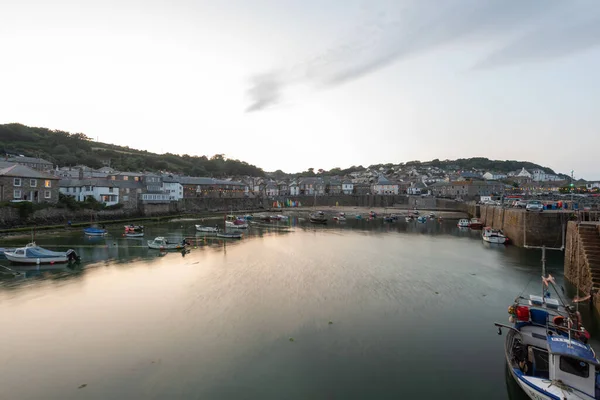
x,y
33,182
47,183
112,178
125,178
17,182
110,190
136,179
127,190
47,194
575,367
125,198
17,193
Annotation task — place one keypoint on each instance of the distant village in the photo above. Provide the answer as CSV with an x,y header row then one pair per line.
x,y
37,180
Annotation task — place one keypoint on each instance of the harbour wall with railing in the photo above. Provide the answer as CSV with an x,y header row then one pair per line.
x,y
525,228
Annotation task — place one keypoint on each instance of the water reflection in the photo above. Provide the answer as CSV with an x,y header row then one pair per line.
x,y
407,301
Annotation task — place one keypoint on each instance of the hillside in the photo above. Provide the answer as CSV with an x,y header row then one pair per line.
x,y
69,149
479,164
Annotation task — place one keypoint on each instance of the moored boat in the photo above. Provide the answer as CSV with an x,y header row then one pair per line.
x,y
493,235
341,217
318,217
134,228
546,347
422,219
94,231
207,229
409,218
229,235
161,243
2,250
34,254
237,224
133,234
463,223
475,223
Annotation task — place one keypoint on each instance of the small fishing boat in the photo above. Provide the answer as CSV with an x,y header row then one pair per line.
x,y
340,217
133,234
161,243
34,254
463,223
229,235
281,217
431,215
318,217
493,235
409,218
475,223
546,347
248,217
237,224
207,229
422,219
134,228
358,216
94,231
372,214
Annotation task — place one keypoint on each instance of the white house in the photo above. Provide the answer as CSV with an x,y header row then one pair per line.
x,y
347,187
294,189
592,185
417,188
540,176
103,190
493,176
173,189
524,173
384,186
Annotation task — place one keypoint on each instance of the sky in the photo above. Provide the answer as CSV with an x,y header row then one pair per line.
x,y
294,84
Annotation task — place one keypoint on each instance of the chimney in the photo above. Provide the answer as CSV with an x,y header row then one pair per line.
x,y
80,173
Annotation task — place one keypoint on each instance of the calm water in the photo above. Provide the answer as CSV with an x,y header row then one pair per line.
x,y
412,308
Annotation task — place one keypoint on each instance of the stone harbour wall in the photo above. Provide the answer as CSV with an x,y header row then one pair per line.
x,y
527,228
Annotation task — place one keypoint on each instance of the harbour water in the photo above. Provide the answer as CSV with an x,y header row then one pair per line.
x,y
361,310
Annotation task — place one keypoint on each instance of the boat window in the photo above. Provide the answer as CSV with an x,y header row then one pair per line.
x,y
574,366
20,252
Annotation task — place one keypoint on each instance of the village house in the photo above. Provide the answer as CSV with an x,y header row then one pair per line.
x,y
347,187
102,190
172,187
417,188
22,183
384,186
494,176
294,189
537,175
467,189
361,188
209,187
308,186
283,188
271,189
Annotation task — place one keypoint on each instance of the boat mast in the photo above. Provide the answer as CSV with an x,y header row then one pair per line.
x,y
543,273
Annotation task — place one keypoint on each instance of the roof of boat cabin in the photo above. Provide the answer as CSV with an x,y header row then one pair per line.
x,y
572,348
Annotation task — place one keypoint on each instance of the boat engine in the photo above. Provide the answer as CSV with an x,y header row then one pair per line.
x,y
72,256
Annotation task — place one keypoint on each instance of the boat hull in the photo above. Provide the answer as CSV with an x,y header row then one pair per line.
x,y
206,229
94,232
494,239
236,226
165,247
134,235
31,260
229,235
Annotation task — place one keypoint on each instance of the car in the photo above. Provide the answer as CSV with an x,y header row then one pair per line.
x,y
535,205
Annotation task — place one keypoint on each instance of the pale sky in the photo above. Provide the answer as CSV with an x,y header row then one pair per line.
x,y
293,84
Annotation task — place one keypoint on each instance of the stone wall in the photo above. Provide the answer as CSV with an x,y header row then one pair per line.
x,y
10,218
522,227
575,269
204,204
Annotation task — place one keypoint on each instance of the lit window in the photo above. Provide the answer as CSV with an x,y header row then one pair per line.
x,y
136,179
47,183
47,194
125,178
17,193
33,182
17,182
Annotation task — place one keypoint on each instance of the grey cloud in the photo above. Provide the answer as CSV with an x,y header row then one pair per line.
x,y
533,29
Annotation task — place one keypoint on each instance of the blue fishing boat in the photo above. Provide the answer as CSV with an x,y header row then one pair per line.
x,y
92,231
546,347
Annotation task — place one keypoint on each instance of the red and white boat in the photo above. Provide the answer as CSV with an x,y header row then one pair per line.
x,y
475,223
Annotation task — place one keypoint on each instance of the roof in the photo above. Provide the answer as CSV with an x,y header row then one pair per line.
x,y
192,180
99,182
572,348
28,160
23,171
382,180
